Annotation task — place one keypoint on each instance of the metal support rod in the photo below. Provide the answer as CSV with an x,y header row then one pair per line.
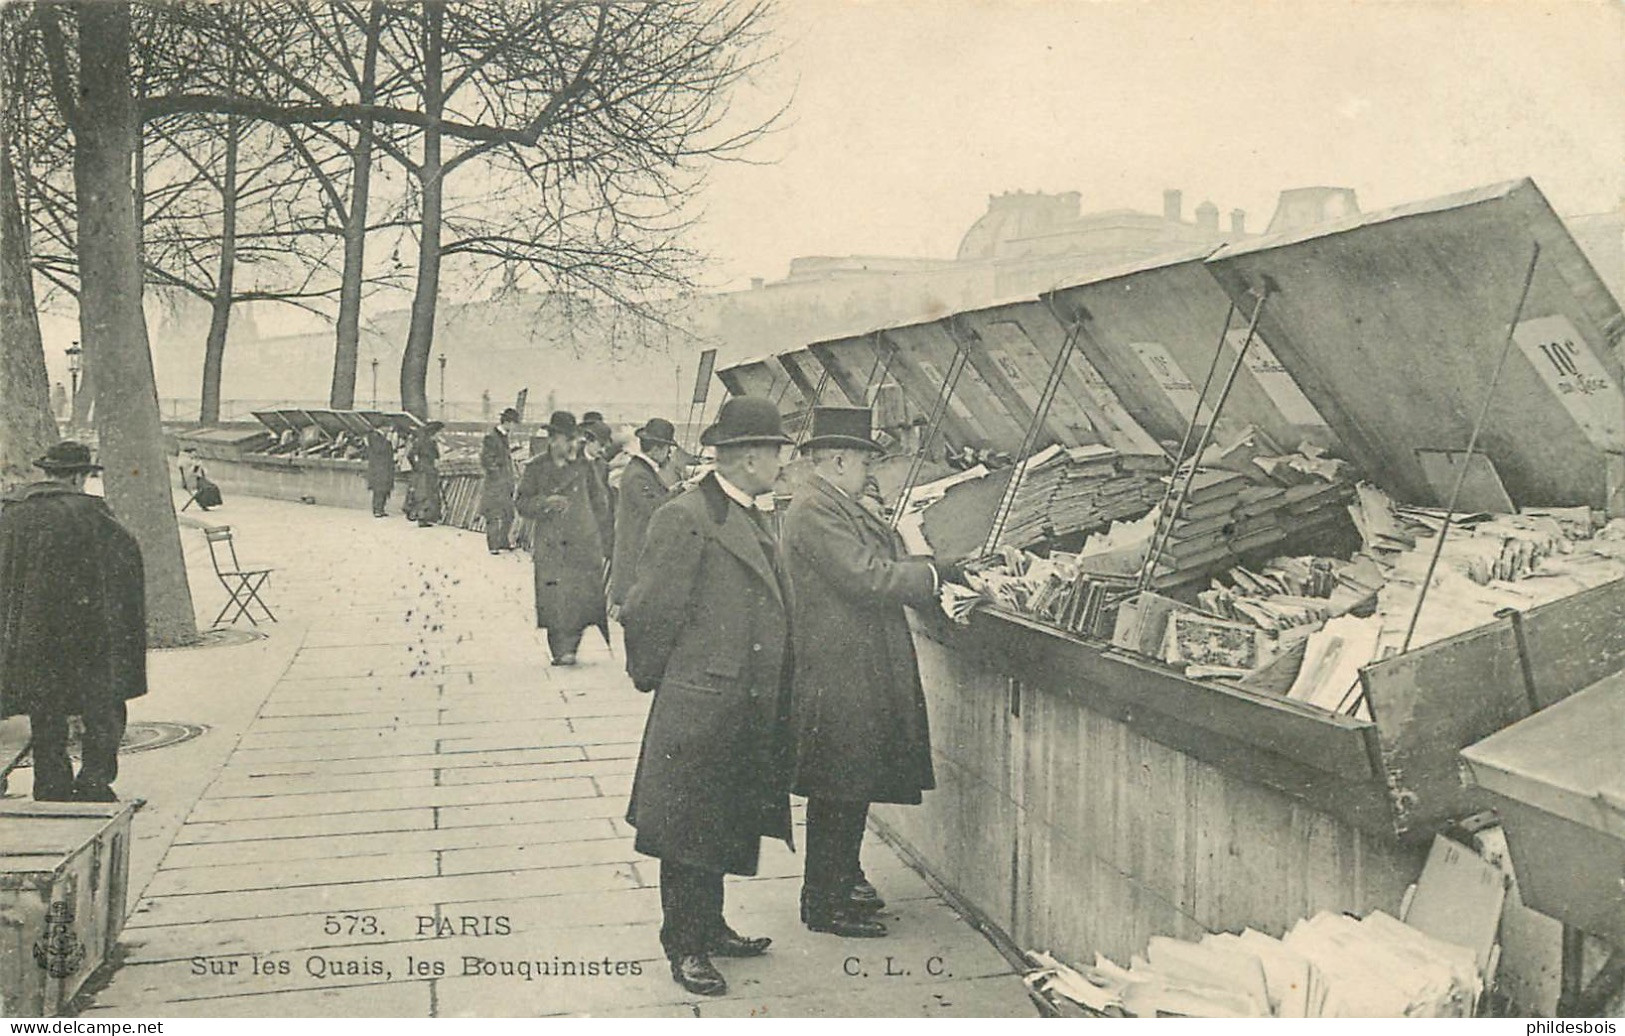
x,y
939,410
881,368
1165,522
1052,386
1196,413
1472,445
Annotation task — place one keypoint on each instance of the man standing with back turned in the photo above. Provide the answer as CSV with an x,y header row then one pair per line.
x,y
859,711
497,488
706,628
73,626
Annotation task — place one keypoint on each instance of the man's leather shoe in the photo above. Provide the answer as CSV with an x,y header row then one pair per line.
x,y
864,898
732,944
844,923
695,973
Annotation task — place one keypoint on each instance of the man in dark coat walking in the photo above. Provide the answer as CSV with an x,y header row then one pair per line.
x,y
497,488
380,470
706,629
570,539
859,711
643,489
73,628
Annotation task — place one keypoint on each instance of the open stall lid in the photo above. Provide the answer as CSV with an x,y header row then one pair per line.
x,y
330,423
762,377
855,363
1392,324
809,378
1021,342
1151,330
277,420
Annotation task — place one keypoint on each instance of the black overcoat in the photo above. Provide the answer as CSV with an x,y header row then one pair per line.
x,y
73,626
380,463
568,547
706,629
859,711
642,491
497,487
425,459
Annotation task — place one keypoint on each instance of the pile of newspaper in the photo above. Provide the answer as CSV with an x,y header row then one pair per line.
x,y
1329,966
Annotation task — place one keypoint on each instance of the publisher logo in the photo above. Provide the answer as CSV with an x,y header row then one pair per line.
x,y
59,952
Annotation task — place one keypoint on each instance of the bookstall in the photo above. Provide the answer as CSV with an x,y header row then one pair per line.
x,y
1225,680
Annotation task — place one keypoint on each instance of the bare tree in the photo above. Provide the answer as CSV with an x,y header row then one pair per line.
x,y
26,424
93,94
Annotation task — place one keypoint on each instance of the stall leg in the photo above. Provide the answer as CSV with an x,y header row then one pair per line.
x,y
1579,998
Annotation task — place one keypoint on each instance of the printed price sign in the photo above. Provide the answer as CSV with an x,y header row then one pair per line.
x,y
1169,377
1274,379
1576,376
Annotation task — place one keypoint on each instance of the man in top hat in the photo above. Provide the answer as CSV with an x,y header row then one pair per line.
x,y
570,539
858,709
643,488
707,629
497,488
73,629
424,456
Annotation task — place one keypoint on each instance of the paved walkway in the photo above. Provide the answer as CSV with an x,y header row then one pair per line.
x,y
419,817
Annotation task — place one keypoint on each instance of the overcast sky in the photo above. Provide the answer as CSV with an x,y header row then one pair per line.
x,y
907,114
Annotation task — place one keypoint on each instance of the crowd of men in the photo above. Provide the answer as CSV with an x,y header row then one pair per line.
x,y
778,651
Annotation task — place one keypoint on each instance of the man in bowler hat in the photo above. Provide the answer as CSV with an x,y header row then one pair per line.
x,y
707,630
643,488
497,487
73,628
858,709
570,539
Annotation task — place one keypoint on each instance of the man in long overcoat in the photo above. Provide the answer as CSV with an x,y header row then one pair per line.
x,y
706,629
73,629
570,539
497,487
643,488
380,470
859,711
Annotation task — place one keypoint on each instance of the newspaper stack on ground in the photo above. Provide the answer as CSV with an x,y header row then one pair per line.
x,y
1329,966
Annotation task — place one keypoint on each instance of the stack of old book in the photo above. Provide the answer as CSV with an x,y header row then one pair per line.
x,y
1053,590
1064,491
1329,966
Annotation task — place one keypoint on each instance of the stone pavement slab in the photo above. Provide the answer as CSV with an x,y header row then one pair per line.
x,y
416,815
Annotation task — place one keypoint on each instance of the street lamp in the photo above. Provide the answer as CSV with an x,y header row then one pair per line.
x,y
75,365
375,383
442,388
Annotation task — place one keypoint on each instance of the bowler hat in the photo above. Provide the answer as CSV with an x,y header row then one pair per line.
x,y
598,430
841,427
657,430
509,415
592,417
746,421
562,423
67,457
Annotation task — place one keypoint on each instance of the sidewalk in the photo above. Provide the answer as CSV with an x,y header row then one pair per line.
x,y
419,813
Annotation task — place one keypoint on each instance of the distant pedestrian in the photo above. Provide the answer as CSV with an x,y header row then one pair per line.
x,y
497,488
73,636
643,488
424,455
380,470
859,711
707,631
570,538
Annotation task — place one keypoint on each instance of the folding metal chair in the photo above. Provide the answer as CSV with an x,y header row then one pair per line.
x,y
243,585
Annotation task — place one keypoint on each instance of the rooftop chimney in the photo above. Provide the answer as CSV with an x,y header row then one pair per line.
x,y
1207,217
1173,206
1238,221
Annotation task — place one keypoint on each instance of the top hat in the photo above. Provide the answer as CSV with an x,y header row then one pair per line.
x,y
841,427
657,430
67,457
509,415
592,417
562,423
746,421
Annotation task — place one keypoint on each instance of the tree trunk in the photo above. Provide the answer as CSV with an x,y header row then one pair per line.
x,y
420,335
113,329
347,351
26,424
214,349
